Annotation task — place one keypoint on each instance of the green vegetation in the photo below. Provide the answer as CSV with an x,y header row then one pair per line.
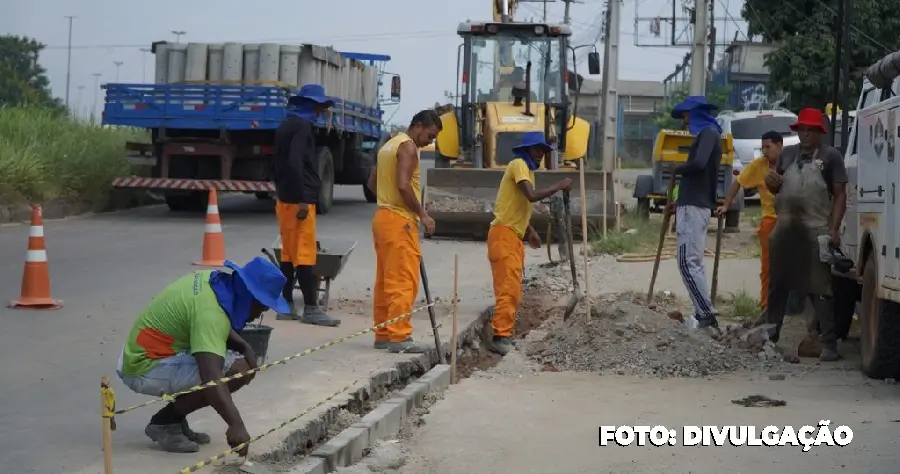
x,y
46,155
739,306
636,236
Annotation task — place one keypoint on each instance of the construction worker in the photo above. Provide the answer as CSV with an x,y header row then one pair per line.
x,y
395,230
512,214
697,192
295,168
189,335
810,187
754,176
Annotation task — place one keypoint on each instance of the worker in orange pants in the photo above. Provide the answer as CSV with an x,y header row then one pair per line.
x,y
395,231
506,250
297,185
754,176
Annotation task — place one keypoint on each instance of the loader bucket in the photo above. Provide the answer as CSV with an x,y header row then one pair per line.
x,y
461,200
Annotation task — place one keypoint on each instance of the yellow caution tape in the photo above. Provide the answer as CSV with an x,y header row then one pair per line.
x,y
213,383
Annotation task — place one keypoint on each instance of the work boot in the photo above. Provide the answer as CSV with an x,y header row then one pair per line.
x,y
315,316
381,344
199,438
290,316
171,438
500,345
408,346
709,325
829,353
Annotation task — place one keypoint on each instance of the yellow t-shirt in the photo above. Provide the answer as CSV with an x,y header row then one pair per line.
x,y
388,194
754,176
512,208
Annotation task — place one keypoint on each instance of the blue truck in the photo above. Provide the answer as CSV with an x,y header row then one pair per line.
x,y
221,136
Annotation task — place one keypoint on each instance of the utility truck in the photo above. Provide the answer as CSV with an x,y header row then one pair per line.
x,y
213,110
870,231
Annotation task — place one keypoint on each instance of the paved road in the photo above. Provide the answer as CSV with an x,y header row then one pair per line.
x,y
107,267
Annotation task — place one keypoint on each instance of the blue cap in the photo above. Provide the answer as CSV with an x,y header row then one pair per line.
x,y
692,102
530,139
264,281
312,92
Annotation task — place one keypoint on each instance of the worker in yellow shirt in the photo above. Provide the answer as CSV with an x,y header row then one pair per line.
x,y
395,231
754,176
512,214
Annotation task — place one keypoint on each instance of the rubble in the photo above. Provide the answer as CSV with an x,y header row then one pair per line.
x,y
626,338
458,204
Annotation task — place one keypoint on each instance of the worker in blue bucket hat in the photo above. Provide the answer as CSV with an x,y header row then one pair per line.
x,y
697,199
295,170
189,335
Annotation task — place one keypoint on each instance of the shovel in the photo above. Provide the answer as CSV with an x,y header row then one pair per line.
x,y
577,296
434,329
715,276
662,236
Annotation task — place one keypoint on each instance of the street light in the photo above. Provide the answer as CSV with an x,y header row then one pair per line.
x,y
144,63
178,34
96,88
118,65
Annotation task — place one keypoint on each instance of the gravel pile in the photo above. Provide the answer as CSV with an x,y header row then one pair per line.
x,y
626,338
458,204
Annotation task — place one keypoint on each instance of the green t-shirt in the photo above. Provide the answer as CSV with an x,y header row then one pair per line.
x,y
185,316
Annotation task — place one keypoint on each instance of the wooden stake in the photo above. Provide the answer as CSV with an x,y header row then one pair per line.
x,y
585,249
605,198
107,407
616,194
455,325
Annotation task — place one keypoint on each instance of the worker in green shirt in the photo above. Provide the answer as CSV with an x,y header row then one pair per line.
x,y
188,335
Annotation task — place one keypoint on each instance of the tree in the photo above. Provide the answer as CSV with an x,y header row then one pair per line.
x,y
22,79
803,63
715,94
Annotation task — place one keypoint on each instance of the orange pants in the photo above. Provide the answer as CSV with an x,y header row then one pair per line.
x,y
397,256
765,228
298,237
506,252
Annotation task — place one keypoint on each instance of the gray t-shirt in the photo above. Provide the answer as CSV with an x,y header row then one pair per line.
x,y
833,169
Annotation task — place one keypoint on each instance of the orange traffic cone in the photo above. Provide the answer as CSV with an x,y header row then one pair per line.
x,y
213,241
36,277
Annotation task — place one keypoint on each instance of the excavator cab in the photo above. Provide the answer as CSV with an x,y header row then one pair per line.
x,y
513,80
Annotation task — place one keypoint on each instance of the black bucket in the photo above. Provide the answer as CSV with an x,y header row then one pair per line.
x,y
258,335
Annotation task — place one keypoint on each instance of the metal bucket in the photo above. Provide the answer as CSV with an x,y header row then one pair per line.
x,y
258,335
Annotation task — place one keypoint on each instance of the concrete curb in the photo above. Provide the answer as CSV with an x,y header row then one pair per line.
x,y
384,420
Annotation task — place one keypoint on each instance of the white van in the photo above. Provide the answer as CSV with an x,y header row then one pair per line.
x,y
747,129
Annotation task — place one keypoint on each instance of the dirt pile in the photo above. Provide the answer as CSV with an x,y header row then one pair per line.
x,y
626,338
458,204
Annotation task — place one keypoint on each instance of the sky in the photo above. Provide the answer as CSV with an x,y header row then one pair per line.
x,y
419,35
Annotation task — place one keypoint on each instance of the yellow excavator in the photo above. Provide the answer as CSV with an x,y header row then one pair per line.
x,y
513,79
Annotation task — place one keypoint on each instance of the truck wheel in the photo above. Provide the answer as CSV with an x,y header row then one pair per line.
x,y
732,222
845,292
370,196
643,208
879,323
441,161
193,202
326,176
262,195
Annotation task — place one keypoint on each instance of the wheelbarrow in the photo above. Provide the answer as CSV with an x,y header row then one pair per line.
x,y
331,256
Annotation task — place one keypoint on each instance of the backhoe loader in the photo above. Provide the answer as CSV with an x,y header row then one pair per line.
x,y
513,79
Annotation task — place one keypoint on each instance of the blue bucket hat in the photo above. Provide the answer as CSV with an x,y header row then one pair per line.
x,y
311,92
531,139
693,102
264,281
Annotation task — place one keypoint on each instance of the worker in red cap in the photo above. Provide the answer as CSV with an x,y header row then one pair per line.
x,y
810,187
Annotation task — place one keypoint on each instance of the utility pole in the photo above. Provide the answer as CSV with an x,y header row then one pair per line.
x,y
711,39
96,89
836,71
178,34
118,65
69,60
144,52
698,50
610,86
845,70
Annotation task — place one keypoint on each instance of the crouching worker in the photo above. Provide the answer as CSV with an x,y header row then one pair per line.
x,y
297,183
188,335
512,214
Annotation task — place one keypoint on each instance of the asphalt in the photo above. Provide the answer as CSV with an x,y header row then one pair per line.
x,y
107,267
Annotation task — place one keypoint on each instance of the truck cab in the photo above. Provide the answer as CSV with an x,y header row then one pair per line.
x,y
870,231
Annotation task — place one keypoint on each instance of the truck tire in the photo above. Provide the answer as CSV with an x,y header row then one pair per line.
x,y
370,196
643,208
193,202
879,324
845,292
732,222
441,161
326,177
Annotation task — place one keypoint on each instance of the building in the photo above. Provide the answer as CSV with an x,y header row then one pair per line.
x,y
638,102
743,70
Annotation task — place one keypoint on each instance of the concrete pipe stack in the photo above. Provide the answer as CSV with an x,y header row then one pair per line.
x,y
267,64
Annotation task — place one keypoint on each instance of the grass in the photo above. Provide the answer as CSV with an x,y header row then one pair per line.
x,y
739,305
45,156
637,236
